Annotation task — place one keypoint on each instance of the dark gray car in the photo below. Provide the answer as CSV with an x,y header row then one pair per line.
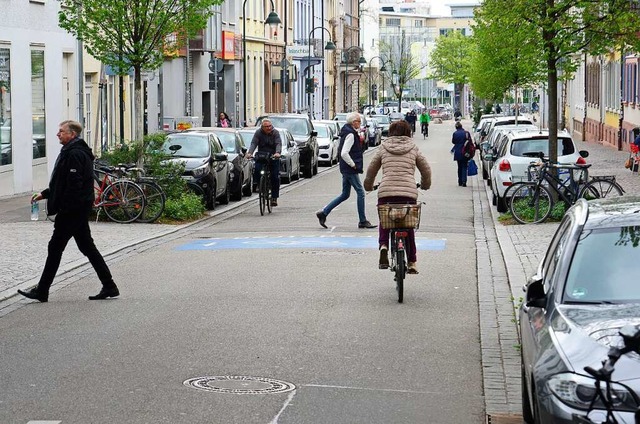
x,y
584,291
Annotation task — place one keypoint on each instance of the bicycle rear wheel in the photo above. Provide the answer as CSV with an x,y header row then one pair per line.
x,y
401,271
530,203
154,201
123,201
599,188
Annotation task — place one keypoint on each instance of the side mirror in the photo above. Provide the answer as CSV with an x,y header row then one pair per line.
x,y
219,157
584,153
243,150
535,295
314,133
488,157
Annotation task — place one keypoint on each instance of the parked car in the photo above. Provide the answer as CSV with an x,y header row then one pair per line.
x,y
374,133
205,161
383,122
335,125
518,151
583,292
491,144
395,116
477,129
301,127
289,155
241,175
328,142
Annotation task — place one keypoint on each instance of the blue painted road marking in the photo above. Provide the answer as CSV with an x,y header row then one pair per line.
x,y
295,242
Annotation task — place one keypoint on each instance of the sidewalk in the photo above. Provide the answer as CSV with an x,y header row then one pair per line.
x,y
500,282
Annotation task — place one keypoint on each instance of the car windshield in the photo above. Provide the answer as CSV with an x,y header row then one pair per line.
x,y
247,136
228,141
186,146
322,131
535,145
295,126
602,270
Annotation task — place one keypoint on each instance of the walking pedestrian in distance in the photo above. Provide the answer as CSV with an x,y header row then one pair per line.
x,y
70,197
223,120
459,139
351,165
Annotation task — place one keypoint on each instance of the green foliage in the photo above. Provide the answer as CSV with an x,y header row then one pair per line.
x,y
450,60
558,211
187,206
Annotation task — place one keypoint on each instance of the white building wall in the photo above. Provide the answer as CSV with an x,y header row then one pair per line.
x,y
26,24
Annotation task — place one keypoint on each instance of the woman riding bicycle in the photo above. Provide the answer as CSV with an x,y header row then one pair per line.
x,y
398,156
267,139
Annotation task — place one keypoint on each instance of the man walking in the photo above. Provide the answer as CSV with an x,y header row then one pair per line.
x,y
351,164
70,197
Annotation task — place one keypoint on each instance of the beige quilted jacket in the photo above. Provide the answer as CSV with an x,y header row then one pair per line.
x,y
398,157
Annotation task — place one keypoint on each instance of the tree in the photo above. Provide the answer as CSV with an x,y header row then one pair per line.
x,y
402,66
127,34
451,59
503,58
564,29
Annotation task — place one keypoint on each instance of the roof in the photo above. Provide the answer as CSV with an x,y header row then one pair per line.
x,y
613,212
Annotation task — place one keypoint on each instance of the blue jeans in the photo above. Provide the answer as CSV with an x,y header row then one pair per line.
x,y
462,171
275,176
348,181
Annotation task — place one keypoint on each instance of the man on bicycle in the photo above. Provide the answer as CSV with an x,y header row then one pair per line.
x,y
267,139
425,118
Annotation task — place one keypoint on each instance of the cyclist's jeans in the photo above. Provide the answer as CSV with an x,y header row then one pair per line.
x,y
383,235
348,181
275,176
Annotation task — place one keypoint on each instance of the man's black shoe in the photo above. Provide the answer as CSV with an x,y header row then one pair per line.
x,y
322,218
366,224
106,292
35,295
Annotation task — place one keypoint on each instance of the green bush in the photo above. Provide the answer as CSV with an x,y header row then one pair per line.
x,y
187,207
558,211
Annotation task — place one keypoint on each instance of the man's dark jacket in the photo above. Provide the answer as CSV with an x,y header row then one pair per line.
x,y
271,142
355,152
71,186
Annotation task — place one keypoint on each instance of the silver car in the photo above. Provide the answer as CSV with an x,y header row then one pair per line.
x,y
584,291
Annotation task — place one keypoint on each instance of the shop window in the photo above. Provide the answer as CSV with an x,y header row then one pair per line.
x,y
38,126
6,156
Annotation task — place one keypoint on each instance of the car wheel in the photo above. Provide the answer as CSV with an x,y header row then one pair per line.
x,y
308,169
287,178
485,174
249,188
224,199
501,204
494,199
315,167
527,414
210,203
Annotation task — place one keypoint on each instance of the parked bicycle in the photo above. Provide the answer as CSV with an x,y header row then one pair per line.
x,y
532,202
399,219
121,200
606,398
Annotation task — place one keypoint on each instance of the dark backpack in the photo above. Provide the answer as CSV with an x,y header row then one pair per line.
x,y
469,148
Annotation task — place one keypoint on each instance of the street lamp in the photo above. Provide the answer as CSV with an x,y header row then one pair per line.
x,y
272,20
362,61
309,83
382,69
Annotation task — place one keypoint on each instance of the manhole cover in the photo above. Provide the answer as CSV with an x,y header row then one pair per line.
x,y
239,385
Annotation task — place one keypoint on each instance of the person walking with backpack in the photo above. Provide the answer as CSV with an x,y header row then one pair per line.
x,y
463,150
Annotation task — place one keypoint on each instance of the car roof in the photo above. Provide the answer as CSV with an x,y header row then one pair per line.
x,y
613,212
221,129
535,133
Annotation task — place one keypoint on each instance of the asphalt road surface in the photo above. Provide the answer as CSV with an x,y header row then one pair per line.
x,y
264,319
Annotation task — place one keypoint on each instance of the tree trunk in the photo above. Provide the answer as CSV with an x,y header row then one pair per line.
x,y
139,128
552,80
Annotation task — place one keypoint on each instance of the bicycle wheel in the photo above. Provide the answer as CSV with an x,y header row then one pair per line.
x,y
401,271
263,194
154,201
599,188
123,201
531,203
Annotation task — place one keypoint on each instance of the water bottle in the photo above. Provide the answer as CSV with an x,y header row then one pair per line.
x,y
35,209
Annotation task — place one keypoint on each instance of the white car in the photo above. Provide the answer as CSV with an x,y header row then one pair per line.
x,y
521,148
490,146
327,143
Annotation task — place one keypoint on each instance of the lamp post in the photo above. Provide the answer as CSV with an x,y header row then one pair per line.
x,y
272,20
361,61
309,83
382,69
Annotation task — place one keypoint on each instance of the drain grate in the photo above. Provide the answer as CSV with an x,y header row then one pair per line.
x,y
239,385
504,419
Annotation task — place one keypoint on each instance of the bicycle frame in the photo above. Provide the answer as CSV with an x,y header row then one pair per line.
x,y
568,190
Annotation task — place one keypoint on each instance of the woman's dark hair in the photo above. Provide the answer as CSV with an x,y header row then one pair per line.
x,y
399,128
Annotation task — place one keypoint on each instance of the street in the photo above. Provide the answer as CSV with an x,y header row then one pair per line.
x,y
240,300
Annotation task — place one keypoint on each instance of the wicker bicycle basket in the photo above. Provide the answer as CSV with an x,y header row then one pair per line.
x,y
399,216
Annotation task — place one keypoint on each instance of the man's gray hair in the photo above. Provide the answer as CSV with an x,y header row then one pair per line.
x,y
352,117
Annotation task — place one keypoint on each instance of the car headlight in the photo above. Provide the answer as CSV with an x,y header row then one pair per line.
x,y
577,391
201,171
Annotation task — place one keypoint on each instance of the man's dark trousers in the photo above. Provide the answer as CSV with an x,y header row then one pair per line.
x,y
76,225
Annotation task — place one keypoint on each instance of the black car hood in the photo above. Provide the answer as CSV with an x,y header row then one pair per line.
x,y
585,333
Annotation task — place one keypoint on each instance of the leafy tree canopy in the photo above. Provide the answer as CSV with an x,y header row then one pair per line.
x,y
450,60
